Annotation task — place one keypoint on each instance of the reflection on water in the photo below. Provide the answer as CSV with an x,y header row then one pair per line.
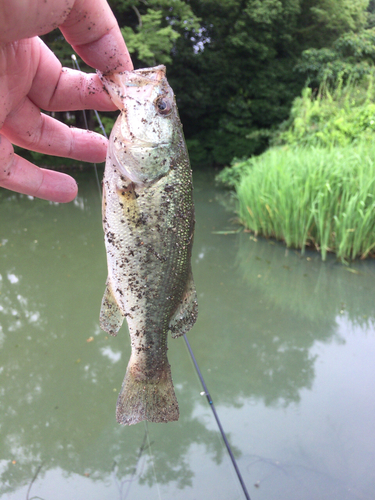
x,y
60,373
272,326
305,284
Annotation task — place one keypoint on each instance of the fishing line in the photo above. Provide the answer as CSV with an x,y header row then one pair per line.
x,y
205,388
211,403
75,63
152,458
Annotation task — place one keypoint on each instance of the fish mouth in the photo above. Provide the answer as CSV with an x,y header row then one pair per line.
x,y
119,89
145,76
153,74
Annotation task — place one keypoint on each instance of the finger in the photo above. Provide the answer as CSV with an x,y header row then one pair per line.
x,y
27,127
18,174
74,90
92,30
88,25
63,89
25,19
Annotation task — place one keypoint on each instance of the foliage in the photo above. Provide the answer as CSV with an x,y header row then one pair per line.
x,y
335,116
341,15
230,62
233,76
313,196
352,56
322,21
319,188
231,176
151,39
371,14
153,42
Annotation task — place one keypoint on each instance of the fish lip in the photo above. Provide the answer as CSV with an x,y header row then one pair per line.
x,y
153,74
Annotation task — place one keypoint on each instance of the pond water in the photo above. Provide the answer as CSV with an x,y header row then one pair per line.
x,y
286,345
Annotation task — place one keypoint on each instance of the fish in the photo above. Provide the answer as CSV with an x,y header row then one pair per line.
x,y
148,222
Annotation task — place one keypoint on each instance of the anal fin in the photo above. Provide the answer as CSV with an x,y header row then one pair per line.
x,y
111,317
187,311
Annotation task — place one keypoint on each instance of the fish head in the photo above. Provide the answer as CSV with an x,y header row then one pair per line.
x,y
144,139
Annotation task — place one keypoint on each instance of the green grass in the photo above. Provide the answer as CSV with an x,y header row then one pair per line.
x,y
312,196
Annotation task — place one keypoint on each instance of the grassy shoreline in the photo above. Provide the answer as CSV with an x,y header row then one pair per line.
x,y
312,196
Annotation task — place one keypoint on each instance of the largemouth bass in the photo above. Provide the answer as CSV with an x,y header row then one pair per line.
x,y
148,220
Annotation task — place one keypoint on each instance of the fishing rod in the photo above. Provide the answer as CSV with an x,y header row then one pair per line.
x,y
193,358
222,432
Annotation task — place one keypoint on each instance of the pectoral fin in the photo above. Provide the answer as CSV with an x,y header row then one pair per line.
x,y
111,317
186,312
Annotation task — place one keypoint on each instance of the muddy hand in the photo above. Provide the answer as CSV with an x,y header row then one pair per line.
x,y
31,77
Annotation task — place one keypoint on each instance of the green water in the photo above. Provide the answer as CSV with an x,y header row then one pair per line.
x,y
285,343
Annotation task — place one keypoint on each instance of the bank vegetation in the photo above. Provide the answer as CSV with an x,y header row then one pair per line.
x,y
315,187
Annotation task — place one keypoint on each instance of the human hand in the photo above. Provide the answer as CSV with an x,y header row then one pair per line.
x,y
31,77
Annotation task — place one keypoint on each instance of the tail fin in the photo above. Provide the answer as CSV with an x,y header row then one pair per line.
x,y
147,398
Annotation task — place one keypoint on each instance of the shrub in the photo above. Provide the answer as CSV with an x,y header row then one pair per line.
x,y
331,117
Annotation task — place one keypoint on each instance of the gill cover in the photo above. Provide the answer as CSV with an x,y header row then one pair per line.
x,y
145,131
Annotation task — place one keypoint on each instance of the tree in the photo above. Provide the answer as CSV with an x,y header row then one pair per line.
x,y
232,78
352,56
231,62
152,28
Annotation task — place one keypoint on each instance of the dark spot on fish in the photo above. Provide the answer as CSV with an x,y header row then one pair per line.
x,y
142,220
110,237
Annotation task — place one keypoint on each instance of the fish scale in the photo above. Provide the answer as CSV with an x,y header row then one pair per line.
x,y
148,221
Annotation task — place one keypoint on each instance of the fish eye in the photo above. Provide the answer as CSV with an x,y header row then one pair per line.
x,y
163,106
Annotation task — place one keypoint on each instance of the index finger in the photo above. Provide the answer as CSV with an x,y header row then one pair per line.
x,y
92,30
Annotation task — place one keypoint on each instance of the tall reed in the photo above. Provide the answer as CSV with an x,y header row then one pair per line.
x,y
317,196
